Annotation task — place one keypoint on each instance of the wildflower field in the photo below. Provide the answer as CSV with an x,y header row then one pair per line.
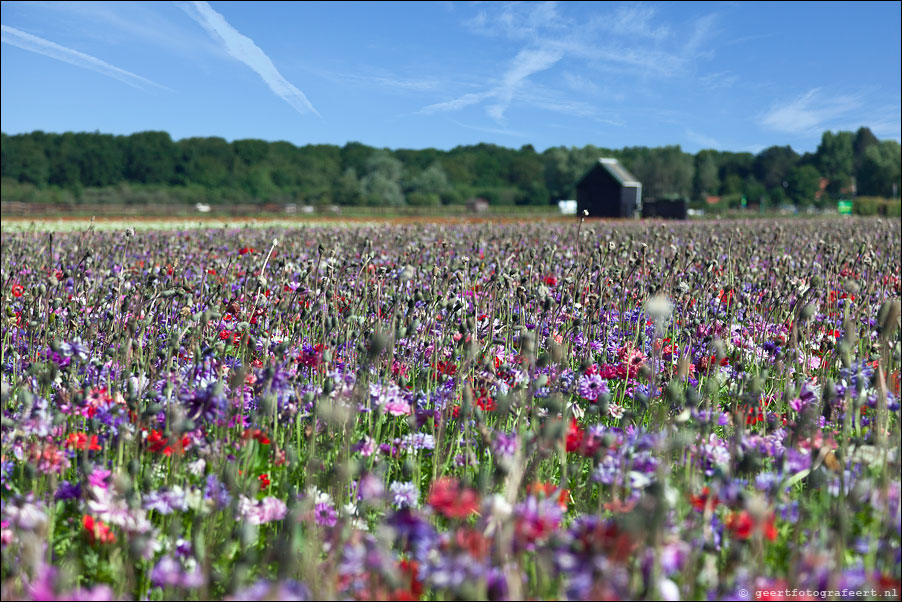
x,y
438,411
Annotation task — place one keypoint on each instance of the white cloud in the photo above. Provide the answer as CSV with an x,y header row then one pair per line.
x,y
245,50
502,132
526,63
636,21
456,104
702,140
719,80
32,43
808,113
581,84
630,41
517,20
702,30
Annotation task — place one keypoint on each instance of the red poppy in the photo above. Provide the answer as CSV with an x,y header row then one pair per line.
x,y
742,525
574,436
547,490
446,368
449,498
157,443
18,289
245,250
97,530
486,403
264,481
700,501
410,571
81,441
257,434
550,280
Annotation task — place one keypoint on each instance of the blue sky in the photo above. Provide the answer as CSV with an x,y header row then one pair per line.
x,y
727,75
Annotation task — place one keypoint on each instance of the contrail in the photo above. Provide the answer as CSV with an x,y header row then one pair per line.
x,y
245,50
526,63
26,41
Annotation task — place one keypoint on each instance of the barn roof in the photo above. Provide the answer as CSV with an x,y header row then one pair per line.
x,y
613,167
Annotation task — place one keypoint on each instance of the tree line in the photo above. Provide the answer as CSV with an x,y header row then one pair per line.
x,y
216,170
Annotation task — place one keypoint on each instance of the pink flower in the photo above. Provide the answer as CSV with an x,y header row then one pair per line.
x,y
98,478
398,407
267,510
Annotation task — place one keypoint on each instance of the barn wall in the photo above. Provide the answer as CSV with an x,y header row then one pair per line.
x,y
600,194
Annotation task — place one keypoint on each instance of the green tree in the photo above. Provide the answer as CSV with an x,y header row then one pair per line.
x,y
803,182
208,162
835,159
150,158
773,164
663,171
428,187
707,180
382,183
864,139
880,169
24,160
354,156
251,152
348,190
101,161
526,173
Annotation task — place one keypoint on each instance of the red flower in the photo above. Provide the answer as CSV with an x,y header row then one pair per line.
x,y
97,530
700,501
446,368
81,441
486,403
410,571
547,490
224,335
245,250
550,280
264,481
742,525
257,434
18,289
157,443
448,497
574,436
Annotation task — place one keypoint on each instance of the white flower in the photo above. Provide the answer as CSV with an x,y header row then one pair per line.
x,y
500,507
197,467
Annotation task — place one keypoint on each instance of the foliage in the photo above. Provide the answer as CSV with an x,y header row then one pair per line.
x,y
356,174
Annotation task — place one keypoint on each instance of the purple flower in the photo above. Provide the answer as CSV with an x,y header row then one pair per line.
x,y
98,478
68,491
325,515
591,387
216,492
504,444
417,441
405,494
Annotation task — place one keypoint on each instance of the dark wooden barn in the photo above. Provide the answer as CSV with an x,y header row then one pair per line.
x,y
676,208
609,190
